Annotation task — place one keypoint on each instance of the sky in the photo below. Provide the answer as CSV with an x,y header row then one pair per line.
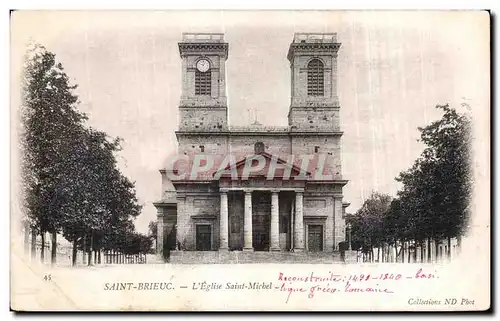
x,y
393,68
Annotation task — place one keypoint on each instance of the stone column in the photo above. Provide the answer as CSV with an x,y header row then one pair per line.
x,y
247,229
274,230
299,222
159,237
223,220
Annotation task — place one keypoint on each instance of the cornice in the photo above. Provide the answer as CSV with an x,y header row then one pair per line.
x,y
308,47
292,132
187,47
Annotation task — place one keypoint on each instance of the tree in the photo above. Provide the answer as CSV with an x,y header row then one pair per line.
x,y
102,200
153,229
437,188
449,147
70,178
49,120
394,225
367,223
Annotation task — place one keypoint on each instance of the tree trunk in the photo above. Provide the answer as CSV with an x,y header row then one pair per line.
x,y
429,254
42,250
415,252
53,254
449,248
459,244
84,248
91,247
409,252
422,252
436,246
397,253
378,254
403,251
99,256
26,238
33,244
75,249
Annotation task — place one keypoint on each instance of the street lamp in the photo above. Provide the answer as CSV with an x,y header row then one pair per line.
x,y
349,235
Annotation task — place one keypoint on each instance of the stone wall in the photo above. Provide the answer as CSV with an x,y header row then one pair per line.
x,y
314,119
339,228
275,144
216,70
203,119
212,144
329,146
299,70
318,210
197,205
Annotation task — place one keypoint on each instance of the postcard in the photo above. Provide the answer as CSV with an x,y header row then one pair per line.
x,y
250,160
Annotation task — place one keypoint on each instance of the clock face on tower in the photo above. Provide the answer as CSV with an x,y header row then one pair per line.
x,y
203,65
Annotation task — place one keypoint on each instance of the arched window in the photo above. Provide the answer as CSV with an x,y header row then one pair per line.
x,y
259,148
315,78
203,83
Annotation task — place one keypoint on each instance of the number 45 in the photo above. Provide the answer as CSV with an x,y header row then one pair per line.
x,y
48,277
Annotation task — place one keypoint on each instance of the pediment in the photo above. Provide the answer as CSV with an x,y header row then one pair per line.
x,y
263,165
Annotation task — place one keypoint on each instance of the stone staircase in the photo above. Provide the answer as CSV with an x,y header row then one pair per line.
x,y
240,257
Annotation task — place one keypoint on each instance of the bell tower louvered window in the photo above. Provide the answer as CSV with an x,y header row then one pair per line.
x,y
203,83
315,78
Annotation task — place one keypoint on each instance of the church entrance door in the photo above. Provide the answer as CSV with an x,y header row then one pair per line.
x,y
315,238
261,220
203,237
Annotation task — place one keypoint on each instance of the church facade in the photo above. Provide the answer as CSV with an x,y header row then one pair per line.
x,y
254,188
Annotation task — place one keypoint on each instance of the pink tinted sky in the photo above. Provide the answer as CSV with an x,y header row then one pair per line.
x,y
394,67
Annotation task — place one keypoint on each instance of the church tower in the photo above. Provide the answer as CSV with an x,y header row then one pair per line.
x,y
203,105
313,62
